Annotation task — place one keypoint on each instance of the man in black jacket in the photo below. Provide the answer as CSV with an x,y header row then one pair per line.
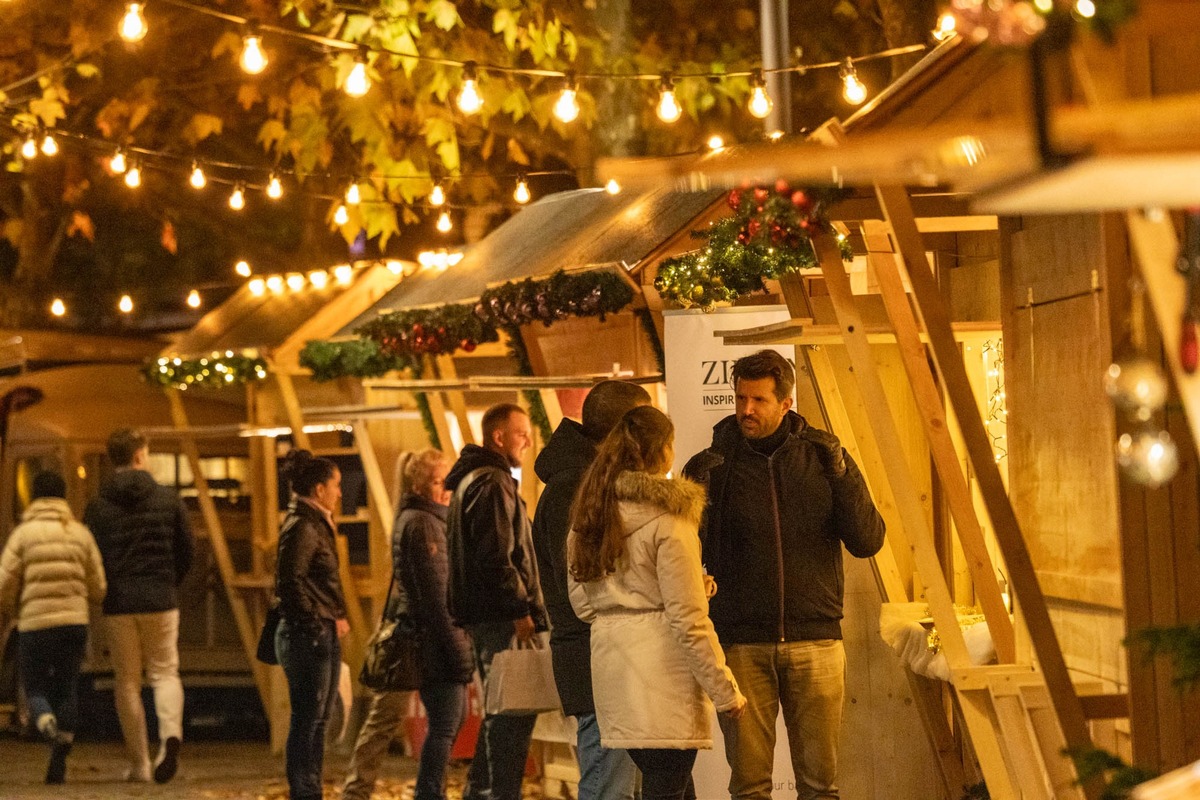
x,y
782,499
494,590
604,774
145,542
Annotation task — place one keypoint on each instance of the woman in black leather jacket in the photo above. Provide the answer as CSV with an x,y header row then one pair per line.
x,y
313,614
421,573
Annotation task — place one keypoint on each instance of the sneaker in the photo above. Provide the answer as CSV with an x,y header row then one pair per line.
x,y
47,726
56,771
168,760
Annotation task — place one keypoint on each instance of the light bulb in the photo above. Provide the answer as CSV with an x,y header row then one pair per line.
x,y
49,145
760,103
295,281
133,176
30,148
443,223
126,304
669,109
438,196
469,101
242,268
254,58
1085,8
58,307
341,216
715,142
566,108
353,196
117,163
612,187
193,299
133,24
521,193
257,287
947,26
237,198
343,273
198,181
274,187
319,278
852,88
275,284
395,267
357,82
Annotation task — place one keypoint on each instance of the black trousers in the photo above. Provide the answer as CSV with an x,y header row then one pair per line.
x,y
666,774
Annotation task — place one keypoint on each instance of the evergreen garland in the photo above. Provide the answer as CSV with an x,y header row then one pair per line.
x,y
359,358
435,441
1181,643
216,371
769,235
1120,778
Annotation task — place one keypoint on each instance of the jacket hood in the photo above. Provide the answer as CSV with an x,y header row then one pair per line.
x,y
128,487
568,451
678,497
472,458
418,503
727,434
50,509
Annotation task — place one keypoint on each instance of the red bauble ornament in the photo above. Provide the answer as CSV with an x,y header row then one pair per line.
x,y
753,227
799,199
761,195
467,345
781,186
735,199
418,328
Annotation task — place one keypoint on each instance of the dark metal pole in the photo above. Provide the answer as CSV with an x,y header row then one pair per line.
x,y
775,47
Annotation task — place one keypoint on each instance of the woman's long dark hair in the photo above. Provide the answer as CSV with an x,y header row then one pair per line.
x,y
638,443
303,471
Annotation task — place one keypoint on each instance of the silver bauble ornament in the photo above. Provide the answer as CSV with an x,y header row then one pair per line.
x,y
1136,385
1147,457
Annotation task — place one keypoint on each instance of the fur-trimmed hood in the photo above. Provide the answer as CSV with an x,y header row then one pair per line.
x,y
677,496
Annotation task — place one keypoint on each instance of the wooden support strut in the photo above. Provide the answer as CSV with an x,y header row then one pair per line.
x,y
941,447
1023,579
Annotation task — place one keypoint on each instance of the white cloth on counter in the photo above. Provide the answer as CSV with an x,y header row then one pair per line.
x,y
900,626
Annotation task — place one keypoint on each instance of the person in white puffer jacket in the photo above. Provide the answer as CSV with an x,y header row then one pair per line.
x,y
49,571
635,575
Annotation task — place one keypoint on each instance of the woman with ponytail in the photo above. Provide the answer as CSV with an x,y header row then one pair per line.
x,y
313,614
634,560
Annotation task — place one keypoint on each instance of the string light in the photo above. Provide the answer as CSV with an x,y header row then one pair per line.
x,y
133,176
947,26
58,307
275,284
237,198
715,142
198,181
274,187
341,216
469,101
760,103
520,194
126,304
669,109
49,145
358,83
254,60
437,197
612,187
566,108
117,163
444,224
257,287
30,148
1085,8
319,278
242,268
295,281
353,195
193,299
133,24
852,88
395,267
343,274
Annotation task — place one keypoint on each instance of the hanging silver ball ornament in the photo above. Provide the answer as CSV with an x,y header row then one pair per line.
x,y
1147,457
1136,385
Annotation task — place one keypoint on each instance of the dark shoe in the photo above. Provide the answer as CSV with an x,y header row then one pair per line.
x,y
56,771
168,762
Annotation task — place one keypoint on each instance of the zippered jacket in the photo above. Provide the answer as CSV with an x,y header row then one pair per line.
x,y
307,580
773,533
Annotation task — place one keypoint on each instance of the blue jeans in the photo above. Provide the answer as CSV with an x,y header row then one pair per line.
x,y
446,707
604,774
311,662
503,744
50,661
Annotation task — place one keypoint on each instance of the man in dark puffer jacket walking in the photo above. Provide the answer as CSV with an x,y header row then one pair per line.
x,y
145,542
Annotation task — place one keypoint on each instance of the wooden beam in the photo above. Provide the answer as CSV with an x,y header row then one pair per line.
x,y
802,331
941,447
291,406
935,316
379,506
455,399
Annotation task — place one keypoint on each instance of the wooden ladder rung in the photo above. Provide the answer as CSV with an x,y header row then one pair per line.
x,y
247,581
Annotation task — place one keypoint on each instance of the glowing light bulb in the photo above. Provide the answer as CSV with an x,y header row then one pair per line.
x,y
669,109
254,58
133,176
126,304
520,194
274,187
58,307
1085,8
341,216
133,25
319,278
257,287
117,163
343,273
852,88
49,145
612,187
760,103
242,268
357,82
566,108
198,181
469,100
237,198
443,223
715,142
275,284
295,281
395,267
30,148
193,299
437,197
353,195
947,26
1044,6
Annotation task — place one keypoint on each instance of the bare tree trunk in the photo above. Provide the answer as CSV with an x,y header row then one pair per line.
x,y
907,22
616,129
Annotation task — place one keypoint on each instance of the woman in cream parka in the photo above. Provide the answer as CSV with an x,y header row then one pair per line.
x,y
636,577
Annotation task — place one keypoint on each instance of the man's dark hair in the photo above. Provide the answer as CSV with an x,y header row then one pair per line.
x,y
766,364
49,484
606,403
124,444
496,416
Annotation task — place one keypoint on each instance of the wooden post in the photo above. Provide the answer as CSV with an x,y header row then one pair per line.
x,y
931,307
291,405
379,506
456,399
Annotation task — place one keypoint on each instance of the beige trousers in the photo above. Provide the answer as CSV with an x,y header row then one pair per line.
x,y
149,642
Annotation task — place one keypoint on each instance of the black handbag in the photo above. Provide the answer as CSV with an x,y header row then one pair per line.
x,y
266,638
392,661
